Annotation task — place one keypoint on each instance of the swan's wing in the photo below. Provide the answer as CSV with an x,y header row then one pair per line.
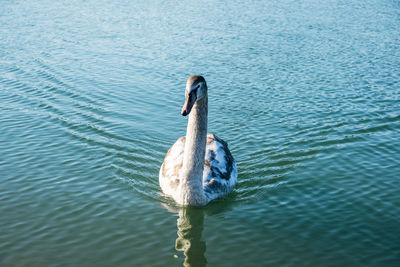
x,y
219,175
169,171
220,172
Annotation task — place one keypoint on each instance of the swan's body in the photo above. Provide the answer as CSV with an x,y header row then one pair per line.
x,y
198,167
219,174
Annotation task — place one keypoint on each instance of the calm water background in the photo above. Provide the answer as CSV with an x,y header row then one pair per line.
x,y
306,93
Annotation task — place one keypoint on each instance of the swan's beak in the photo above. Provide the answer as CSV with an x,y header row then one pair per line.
x,y
187,107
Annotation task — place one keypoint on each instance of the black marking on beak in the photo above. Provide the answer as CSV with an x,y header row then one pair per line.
x,y
189,103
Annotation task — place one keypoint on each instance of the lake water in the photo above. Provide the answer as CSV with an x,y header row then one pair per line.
x,y
306,93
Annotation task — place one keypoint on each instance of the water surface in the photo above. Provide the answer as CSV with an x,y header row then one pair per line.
x,y
305,93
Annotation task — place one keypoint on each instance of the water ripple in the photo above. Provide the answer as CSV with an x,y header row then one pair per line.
x,y
305,95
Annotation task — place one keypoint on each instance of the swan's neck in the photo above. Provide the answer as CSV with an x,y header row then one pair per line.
x,y
193,161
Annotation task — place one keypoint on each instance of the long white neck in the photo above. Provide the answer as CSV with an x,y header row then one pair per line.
x,y
192,192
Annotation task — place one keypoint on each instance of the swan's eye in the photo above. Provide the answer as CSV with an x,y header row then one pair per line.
x,y
194,91
197,87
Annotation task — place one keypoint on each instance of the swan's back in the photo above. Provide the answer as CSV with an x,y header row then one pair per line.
x,y
219,174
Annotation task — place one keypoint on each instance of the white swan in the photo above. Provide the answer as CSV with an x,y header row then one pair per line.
x,y
199,167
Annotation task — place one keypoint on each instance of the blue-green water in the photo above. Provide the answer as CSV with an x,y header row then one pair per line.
x,y
306,93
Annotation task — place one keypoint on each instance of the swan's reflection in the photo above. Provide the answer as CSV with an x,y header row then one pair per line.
x,y
190,227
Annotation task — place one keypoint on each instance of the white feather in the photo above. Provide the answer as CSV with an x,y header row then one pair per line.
x,y
214,186
199,167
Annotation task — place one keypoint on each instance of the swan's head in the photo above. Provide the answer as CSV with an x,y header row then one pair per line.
x,y
196,89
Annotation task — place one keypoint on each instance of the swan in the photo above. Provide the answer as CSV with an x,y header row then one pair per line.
x,y
199,166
